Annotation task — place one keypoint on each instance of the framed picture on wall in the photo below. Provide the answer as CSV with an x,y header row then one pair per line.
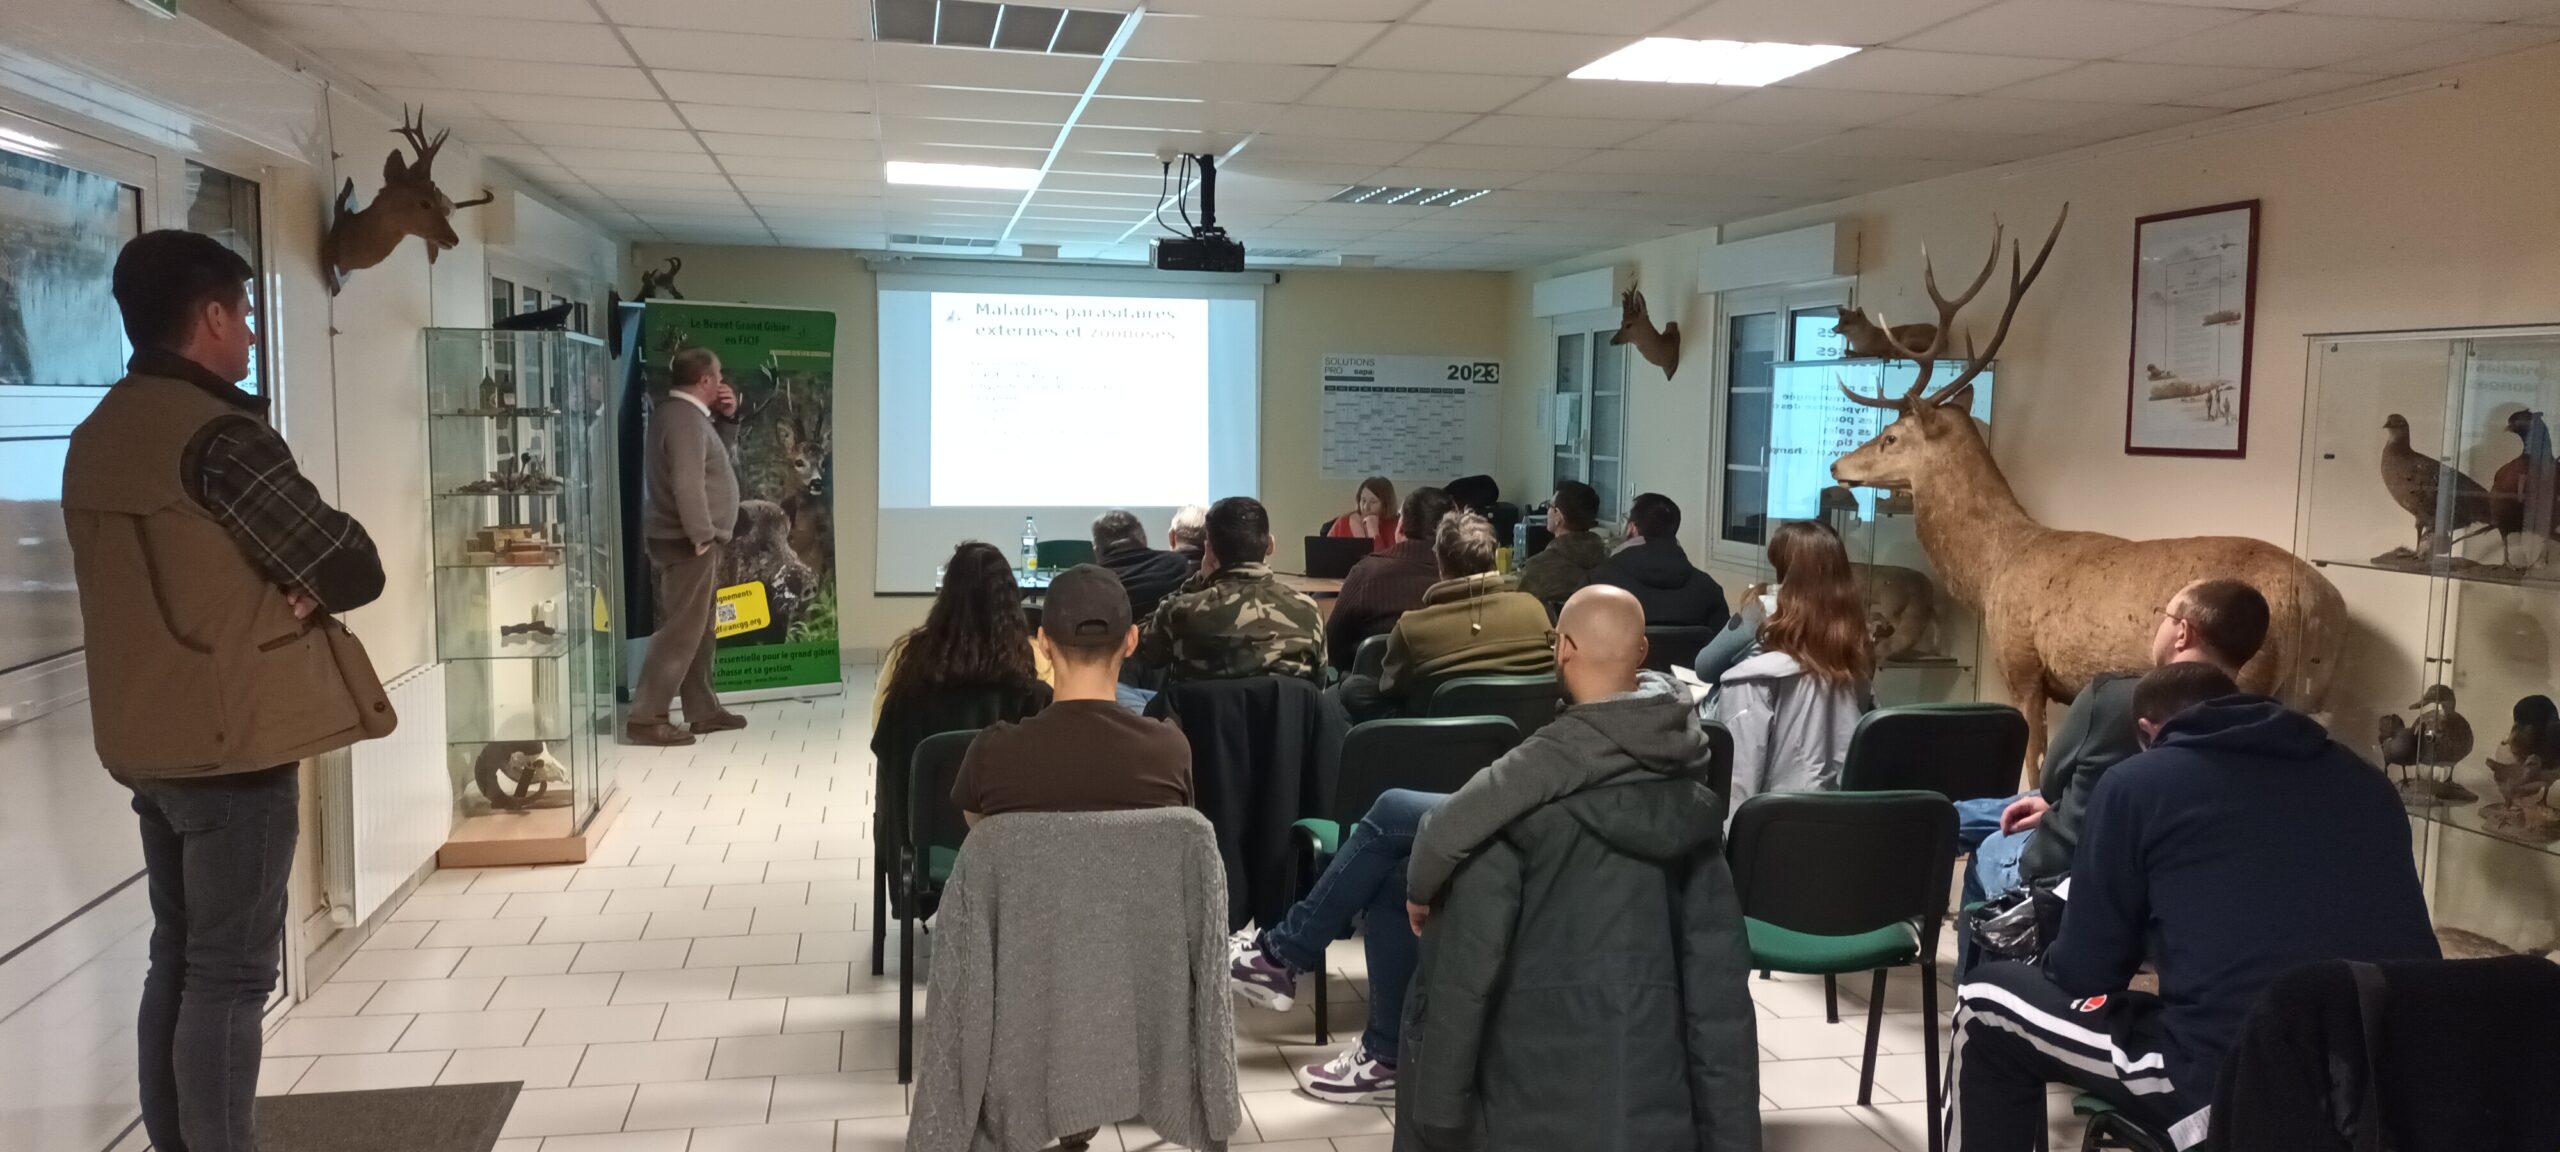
x,y
2195,292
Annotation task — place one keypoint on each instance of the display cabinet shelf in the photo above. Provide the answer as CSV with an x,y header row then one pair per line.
x,y
529,717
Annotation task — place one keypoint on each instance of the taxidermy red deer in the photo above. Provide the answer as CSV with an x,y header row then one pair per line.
x,y
2061,607
1659,347
1866,341
409,204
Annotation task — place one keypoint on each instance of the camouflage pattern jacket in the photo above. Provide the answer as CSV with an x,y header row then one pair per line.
x,y
1238,621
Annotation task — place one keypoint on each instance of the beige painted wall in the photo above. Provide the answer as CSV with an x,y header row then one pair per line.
x,y
1305,315
2421,210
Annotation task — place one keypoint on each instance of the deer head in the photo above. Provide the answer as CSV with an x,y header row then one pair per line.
x,y
1660,348
409,204
803,436
1931,426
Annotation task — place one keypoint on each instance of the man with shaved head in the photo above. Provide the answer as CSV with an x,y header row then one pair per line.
x,y
1620,722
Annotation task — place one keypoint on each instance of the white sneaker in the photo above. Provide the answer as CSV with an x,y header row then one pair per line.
x,y
1352,1078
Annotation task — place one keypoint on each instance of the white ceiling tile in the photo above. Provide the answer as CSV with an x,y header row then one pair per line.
x,y
1432,92
618,178
522,109
522,157
1495,157
443,104
481,75
975,103
538,41
2140,120
1916,144
749,55
586,158
833,19
1067,177
1304,171
1424,48
1584,181
1146,141
1997,114
1858,22
2481,45
1246,40
380,69
570,11
1241,83
593,136
779,122
1928,73
1621,100
843,169
764,91
1816,107
1619,18
1126,165
1654,162
1552,131
2291,86
1419,175
978,68
1366,123
678,199
788,202
1062,198
931,153
759,185
1707,136
2294,40
2112,81
1183,115
2079,29
991,133
750,144
1328,150
2492,10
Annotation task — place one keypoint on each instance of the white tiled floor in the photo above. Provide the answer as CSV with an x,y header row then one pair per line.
x,y
703,985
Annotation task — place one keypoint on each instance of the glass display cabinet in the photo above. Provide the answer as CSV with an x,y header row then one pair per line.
x,y
1926,642
2428,495
527,565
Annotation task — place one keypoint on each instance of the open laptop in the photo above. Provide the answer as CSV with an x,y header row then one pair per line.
x,y
1331,557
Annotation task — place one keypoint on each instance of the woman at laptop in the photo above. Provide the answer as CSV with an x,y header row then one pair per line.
x,y
1372,516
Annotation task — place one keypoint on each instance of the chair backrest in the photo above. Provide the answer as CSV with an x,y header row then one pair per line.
x,y
1435,754
1841,863
933,821
1370,658
1669,646
1959,751
1720,769
1529,701
1065,553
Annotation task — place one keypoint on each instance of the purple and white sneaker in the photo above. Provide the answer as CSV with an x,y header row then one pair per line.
x,y
1259,978
1352,1078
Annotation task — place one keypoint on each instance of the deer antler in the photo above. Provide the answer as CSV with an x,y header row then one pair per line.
x,y
1975,362
1879,400
415,132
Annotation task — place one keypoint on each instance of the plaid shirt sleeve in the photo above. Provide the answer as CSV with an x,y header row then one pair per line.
x,y
245,475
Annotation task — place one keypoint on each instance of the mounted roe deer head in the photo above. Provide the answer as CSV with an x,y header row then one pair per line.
x,y
1660,348
805,440
409,204
2061,607
654,283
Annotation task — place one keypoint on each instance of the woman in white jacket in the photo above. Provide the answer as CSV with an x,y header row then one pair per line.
x,y
1793,692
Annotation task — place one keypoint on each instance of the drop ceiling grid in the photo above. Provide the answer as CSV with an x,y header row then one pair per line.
x,y
664,114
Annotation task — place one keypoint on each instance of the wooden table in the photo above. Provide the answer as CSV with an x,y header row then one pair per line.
x,y
1321,589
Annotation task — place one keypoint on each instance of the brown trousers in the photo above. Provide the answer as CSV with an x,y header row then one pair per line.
x,y
680,653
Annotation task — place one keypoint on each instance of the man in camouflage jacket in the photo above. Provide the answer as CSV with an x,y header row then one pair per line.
x,y
1235,619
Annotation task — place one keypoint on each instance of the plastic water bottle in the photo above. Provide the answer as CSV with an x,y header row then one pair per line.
x,y
1030,544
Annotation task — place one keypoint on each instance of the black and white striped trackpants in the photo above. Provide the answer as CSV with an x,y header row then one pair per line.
x,y
2015,1033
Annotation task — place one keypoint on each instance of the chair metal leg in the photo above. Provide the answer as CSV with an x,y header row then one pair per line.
x,y
907,987
1875,1029
1324,1018
1831,999
879,913
1929,1048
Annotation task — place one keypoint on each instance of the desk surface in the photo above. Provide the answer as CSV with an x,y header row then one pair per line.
x,y
1319,587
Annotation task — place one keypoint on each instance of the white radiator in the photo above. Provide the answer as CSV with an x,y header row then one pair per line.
x,y
391,802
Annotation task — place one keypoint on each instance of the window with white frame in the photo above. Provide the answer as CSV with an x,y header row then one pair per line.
x,y
1762,329
1589,400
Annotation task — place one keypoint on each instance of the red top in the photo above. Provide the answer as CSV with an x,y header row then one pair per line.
x,y
1386,539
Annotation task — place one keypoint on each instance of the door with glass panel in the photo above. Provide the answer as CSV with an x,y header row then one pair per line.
x,y
1762,329
1590,409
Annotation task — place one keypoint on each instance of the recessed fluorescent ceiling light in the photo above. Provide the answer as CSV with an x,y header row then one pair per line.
x,y
22,140
1732,62
962,175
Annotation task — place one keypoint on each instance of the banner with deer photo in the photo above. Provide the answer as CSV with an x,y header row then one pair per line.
x,y
781,362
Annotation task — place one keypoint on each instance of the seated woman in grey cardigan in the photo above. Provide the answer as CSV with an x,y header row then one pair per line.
x,y
1400,856
1790,674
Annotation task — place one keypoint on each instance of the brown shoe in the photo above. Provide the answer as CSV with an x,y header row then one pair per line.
x,y
658,735
718,722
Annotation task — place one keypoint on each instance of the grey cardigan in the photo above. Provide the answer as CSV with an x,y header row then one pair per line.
x,y
1101,928
693,482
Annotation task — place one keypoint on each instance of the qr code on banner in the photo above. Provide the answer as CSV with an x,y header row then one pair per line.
x,y
726,613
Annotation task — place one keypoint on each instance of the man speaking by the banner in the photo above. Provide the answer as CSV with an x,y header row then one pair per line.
x,y
693,506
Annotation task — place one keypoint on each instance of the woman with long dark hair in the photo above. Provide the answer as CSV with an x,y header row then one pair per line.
x,y
1792,687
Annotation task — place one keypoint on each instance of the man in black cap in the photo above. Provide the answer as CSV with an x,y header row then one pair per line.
x,y
1085,752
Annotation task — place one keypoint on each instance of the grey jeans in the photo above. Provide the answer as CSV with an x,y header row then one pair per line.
x,y
218,851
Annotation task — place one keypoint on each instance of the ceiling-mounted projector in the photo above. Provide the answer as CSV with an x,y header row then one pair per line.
x,y
1209,248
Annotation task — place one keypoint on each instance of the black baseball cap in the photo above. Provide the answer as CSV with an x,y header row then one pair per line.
x,y
1086,608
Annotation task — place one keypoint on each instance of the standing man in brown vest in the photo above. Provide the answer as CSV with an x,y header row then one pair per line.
x,y
693,506
203,556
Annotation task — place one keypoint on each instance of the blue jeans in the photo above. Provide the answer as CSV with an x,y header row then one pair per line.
x,y
1366,876
217,850
1994,867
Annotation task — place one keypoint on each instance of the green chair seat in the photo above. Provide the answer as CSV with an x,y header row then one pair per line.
x,y
1327,834
2090,1104
1784,950
938,862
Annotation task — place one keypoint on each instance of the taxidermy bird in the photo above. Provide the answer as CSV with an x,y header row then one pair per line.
x,y
552,319
655,283
2398,746
2521,494
2533,752
2444,741
2413,478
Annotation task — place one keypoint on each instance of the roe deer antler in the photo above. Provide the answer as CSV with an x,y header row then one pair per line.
x,y
423,168
1926,359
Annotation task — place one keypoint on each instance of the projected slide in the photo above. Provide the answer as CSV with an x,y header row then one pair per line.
x,y
1812,424
1021,383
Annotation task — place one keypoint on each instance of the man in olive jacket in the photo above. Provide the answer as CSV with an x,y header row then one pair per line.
x,y
1471,623
1584,984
